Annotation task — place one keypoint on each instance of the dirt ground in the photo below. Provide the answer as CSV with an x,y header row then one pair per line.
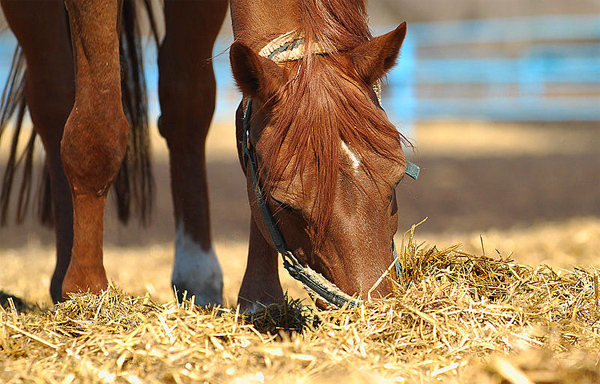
x,y
533,190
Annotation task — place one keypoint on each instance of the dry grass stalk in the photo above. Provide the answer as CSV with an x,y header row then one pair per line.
x,y
454,317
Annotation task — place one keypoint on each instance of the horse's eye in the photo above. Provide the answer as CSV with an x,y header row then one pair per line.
x,y
284,206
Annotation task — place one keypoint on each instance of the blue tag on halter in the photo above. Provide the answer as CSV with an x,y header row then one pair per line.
x,y
412,170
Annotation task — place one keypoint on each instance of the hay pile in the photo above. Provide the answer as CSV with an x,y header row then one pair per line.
x,y
455,317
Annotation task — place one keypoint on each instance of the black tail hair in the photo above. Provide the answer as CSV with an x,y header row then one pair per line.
x,y
135,182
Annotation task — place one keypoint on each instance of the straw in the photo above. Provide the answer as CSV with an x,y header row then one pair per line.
x,y
453,317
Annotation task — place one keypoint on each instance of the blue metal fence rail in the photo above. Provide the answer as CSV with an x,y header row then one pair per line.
x,y
552,50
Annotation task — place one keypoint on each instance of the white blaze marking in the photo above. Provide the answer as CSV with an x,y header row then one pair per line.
x,y
354,157
196,270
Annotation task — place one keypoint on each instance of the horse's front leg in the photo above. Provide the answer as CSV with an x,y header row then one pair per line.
x,y
95,135
187,97
260,285
42,31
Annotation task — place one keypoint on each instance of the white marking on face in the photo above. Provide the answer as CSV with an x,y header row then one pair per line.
x,y
196,270
352,154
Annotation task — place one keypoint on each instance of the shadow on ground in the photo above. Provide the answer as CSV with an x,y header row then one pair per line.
x,y
455,194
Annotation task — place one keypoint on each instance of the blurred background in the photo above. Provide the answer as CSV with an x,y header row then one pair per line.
x,y
501,100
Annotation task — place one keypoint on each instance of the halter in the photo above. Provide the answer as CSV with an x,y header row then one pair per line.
x,y
289,47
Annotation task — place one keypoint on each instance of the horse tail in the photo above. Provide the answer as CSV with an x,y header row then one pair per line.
x,y
135,183
13,105
135,180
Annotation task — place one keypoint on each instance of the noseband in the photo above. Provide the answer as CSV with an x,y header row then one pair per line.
x,y
315,282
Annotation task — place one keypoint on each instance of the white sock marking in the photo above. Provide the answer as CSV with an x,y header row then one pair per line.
x,y
196,270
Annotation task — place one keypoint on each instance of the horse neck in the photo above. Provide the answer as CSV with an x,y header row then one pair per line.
x,y
256,22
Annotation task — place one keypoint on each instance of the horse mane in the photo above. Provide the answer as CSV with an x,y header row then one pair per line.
x,y
135,181
324,104
339,24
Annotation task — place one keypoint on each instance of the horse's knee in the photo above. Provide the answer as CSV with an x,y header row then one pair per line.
x,y
93,146
49,106
187,87
187,98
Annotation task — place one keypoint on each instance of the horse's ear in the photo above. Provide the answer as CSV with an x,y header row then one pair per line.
x,y
256,76
375,57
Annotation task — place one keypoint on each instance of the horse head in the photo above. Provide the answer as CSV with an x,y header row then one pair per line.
x,y
327,159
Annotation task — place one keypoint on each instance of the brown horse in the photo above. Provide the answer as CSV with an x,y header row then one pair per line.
x,y
328,158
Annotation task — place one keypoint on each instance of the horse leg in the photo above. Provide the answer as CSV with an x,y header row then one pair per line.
x,y
261,279
42,31
187,96
95,136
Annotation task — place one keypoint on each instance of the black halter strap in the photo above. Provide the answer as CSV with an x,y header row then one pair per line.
x,y
307,276
268,217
